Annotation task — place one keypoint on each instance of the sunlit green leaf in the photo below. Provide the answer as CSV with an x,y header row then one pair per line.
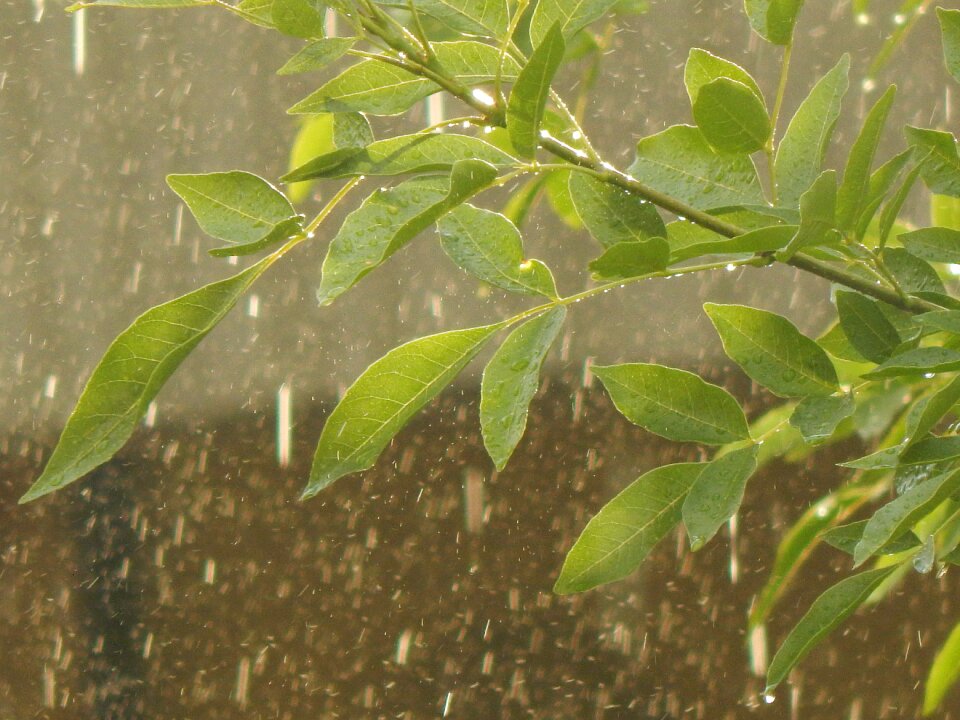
x,y
476,17
385,397
917,362
817,417
950,34
717,494
283,230
932,450
945,670
331,135
936,244
731,116
818,215
528,98
674,403
611,214
510,381
866,326
766,239
631,259
704,67
619,537
774,20
572,15
299,18
941,320
317,55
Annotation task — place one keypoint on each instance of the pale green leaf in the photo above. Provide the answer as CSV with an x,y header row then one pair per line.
x,y
766,239
675,404
631,259
717,493
891,211
866,326
950,34
385,396
945,670
283,230
317,55
774,20
572,15
731,116
941,320
932,450
510,381
528,98
611,214
619,537
299,18
330,135
936,244
938,152
846,537
817,417
704,67
931,412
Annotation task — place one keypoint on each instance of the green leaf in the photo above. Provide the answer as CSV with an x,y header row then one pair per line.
x,y
317,55
139,4
800,153
282,231
774,20
879,460
936,244
680,162
130,374
827,612
817,417
234,206
510,381
818,216
846,537
557,191
339,134
299,18
631,259
477,17
940,320
773,352
717,493
385,396
422,152
866,326
913,274
704,67
856,176
898,516
572,15
611,214
731,116
932,450
489,247
390,218
256,12
938,152
528,98
891,211
916,362
932,412
945,670
764,239
619,537
675,404
950,33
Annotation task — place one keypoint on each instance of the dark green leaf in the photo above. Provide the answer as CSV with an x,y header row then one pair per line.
x,y
674,403
773,352
528,98
299,18
317,55
936,244
385,397
916,362
631,259
572,15
945,670
130,374
611,214
846,537
950,33
704,67
622,534
817,417
731,116
717,493
866,326
827,612
774,20
818,215
510,381
489,247
913,274
937,150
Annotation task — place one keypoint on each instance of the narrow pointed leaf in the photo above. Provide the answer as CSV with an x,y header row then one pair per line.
x,y
317,55
917,362
937,150
891,211
936,244
931,412
510,381
674,403
571,15
385,397
932,450
631,259
941,320
801,151
611,214
866,326
945,670
774,20
827,612
130,374
773,352
818,417
898,516
388,219
950,34
619,537
717,493
731,116
704,67
528,98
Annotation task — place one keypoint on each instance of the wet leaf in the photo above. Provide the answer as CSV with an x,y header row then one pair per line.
x,y
846,537
866,326
817,417
765,239
317,55
773,352
390,218
917,362
572,15
704,67
950,34
731,116
938,152
489,247
898,516
680,162
385,397
256,12
932,450
931,412
130,374
326,134
800,153
528,98
881,459
281,231
717,493
619,537
631,259
936,244
891,211
827,612
477,17
675,404
774,20
818,216
913,274
945,670
299,18
510,381
611,214
940,320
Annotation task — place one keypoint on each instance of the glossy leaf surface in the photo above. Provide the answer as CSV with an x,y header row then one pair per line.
x,y
817,417
940,163
731,116
528,98
774,20
936,244
717,493
866,326
611,214
950,35
704,67
918,361
631,259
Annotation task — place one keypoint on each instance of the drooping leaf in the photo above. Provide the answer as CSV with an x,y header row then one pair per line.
x,y
704,67
631,259
528,98
489,247
717,493
938,152
235,206
422,152
774,20
917,362
846,537
611,214
557,192
510,381
800,153
773,352
731,116
945,670
818,215
936,244
317,55
950,34
827,612
866,326
619,537
680,162
299,18
913,274
817,417
856,177
572,15
675,404
390,218
385,396
130,374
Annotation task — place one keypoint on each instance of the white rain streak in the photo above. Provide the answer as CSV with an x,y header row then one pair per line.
x,y
448,703
79,41
434,109
209,571
253,306
178,225
330,23
758,650
403,647
241,692
284,426
150,418
473,500
50,387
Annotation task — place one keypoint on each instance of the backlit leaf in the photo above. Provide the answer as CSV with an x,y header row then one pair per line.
x,y
918,361
572,15
329,135
528,98
477,17
299,18
938,152
818,215
717,493
611,214
945,670
774,20
950,34
317,55
846,537
767,239
731,116
817,417
704,67
631,259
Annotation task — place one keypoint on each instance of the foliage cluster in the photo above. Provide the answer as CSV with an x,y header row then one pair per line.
x,y
692,201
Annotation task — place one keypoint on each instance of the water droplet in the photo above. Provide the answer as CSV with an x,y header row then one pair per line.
x,y
769,697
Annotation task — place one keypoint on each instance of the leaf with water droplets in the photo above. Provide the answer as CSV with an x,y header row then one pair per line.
x,y
528,98
570,15
913,274
619,537
299,18
932,450
945,670
476,17
611,214
846,537
919,361
950,35
936,244
384,398
866,326
818,214
334,136
827,612
818,417
937,151
510,381
717,494
926,413
675,404
731,116
765,239
940,321
627,260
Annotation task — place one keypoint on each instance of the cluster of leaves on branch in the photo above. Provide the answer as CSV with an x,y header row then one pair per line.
x,y
692,201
